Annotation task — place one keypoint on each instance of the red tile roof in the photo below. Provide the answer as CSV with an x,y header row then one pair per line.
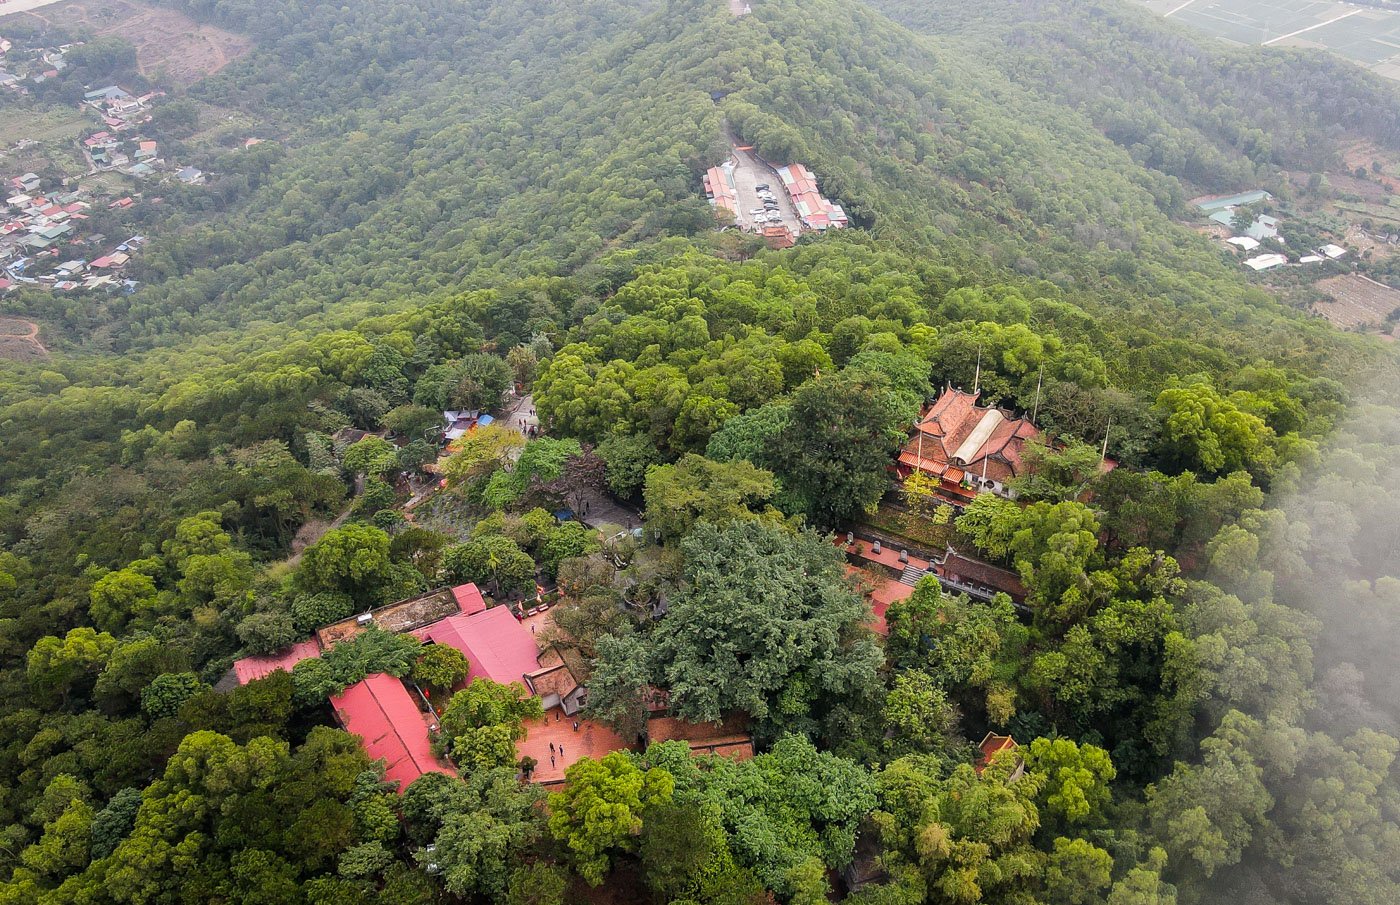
x,y
992,745
957,438
497,646
469,599
250,668
382,712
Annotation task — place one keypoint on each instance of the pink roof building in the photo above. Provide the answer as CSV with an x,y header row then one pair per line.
x,y
469,599
250,668
382,713
497,646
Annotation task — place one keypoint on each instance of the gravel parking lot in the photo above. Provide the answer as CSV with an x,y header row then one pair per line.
x,y
750,172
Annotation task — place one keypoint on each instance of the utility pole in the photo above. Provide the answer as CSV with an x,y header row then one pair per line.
x,y
1104,453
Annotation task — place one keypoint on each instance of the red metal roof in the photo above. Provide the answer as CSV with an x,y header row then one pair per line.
x,y
382,713
469,599
250,668
497,646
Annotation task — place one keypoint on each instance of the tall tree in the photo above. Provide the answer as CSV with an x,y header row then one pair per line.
x,y
834,456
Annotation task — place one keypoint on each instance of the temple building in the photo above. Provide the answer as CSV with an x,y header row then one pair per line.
x,y
969,449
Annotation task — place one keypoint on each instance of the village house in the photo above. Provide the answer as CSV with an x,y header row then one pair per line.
x,y
396,721
969,449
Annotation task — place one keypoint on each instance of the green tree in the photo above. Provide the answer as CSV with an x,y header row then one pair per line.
x,y
766,624
833,458
677,842
477,454
352,560
416,422
1078,870
627,457
495,561
918,715
539,883
373,456
311,611
1077,778
488,825
440,666
602,809
58,666
118,596
483,721
1209,434
696,488
167,692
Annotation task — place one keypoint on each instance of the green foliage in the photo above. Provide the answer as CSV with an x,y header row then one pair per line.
x,y
766,624
371,456
483,722
602,809
352,560
440,666
782,809
311,611
627,456
1211,434
168,691
486,825
699,489
832,458
1077,778
494,561
369,651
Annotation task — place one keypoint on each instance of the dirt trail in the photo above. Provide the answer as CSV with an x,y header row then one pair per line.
x,y
19,340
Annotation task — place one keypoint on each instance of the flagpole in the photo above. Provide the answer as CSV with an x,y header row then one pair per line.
x,y
1036,411
977,381
1109,426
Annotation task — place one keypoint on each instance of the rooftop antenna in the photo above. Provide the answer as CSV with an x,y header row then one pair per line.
x,y
977,381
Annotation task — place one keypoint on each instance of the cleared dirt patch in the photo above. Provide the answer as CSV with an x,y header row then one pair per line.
x,y
1364,154
170,46
1359,301
19,340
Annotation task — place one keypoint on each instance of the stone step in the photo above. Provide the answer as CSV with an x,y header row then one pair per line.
x,y
912,574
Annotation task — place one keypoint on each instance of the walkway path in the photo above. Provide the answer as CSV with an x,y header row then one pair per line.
x,y
521,417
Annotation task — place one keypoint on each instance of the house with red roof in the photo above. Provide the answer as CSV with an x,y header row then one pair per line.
x,y
249,669
969,449
997,747
394,729
496,645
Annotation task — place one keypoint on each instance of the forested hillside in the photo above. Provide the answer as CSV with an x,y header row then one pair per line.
x,y
472,195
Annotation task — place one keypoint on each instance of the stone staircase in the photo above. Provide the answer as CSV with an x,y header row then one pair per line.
x,y
912,574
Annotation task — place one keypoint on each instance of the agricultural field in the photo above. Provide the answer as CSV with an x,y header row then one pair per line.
x,y
1357,302
170,46
57,124
1369,37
